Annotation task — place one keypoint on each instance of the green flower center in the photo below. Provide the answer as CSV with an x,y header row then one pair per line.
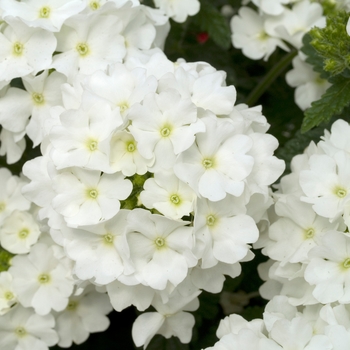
x,y
23,233
20,332
160,242
130,147
309,233
341,192
175,199
92,145
210,220
38,98
346,263
165,132
123,107
17,49
92,193
207,163
72,305
108,238
44,12
9,295
82,49
94,5
44,278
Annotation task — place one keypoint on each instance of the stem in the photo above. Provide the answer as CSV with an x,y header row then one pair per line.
x,y
269,78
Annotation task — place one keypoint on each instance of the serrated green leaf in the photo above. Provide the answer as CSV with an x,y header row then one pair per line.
x,y
313,57
210,20
332,102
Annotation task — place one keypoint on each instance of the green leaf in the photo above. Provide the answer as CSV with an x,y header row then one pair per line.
x,y
332,102
5,258
158,342
210,20
313,57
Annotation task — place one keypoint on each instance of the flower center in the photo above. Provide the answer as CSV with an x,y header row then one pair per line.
x,y
109,238
160,242
44,12
94,5
38,98
92,145
346,263
72,305
82,49
44,278
92,193
175,199
207,163
211,220
123,107
23,233
165,132
9,295
309,233
17,49
2,207
341,192
130,147
20,332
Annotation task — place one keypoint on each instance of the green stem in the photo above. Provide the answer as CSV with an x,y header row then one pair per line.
x,y
269,78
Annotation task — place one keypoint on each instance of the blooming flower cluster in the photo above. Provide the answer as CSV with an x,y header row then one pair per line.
x,y
151,180
308,245
283,24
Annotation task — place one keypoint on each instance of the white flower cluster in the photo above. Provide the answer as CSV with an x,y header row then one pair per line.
x,y
282,23
151,181
308,244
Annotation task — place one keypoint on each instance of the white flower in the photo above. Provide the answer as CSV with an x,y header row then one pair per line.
x,y
248,34
178,10
84,137
21,329
170,196
222,232
88,44
309,86
274,7
85,197
169,320
7,295
160,248
98,250
217,163
24,50
84,314
164,126
329,269
40,280
19,232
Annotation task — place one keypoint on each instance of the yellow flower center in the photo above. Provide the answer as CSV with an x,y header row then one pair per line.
x,y
44,278
309,233
2,207
38,98
17,48
211,219
340,192
175,199
92,193
160,242
108,238
207,163
94,5
44,12
20,332
165,132
346,263
9,295
130,147
23,233
83,49
72,305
